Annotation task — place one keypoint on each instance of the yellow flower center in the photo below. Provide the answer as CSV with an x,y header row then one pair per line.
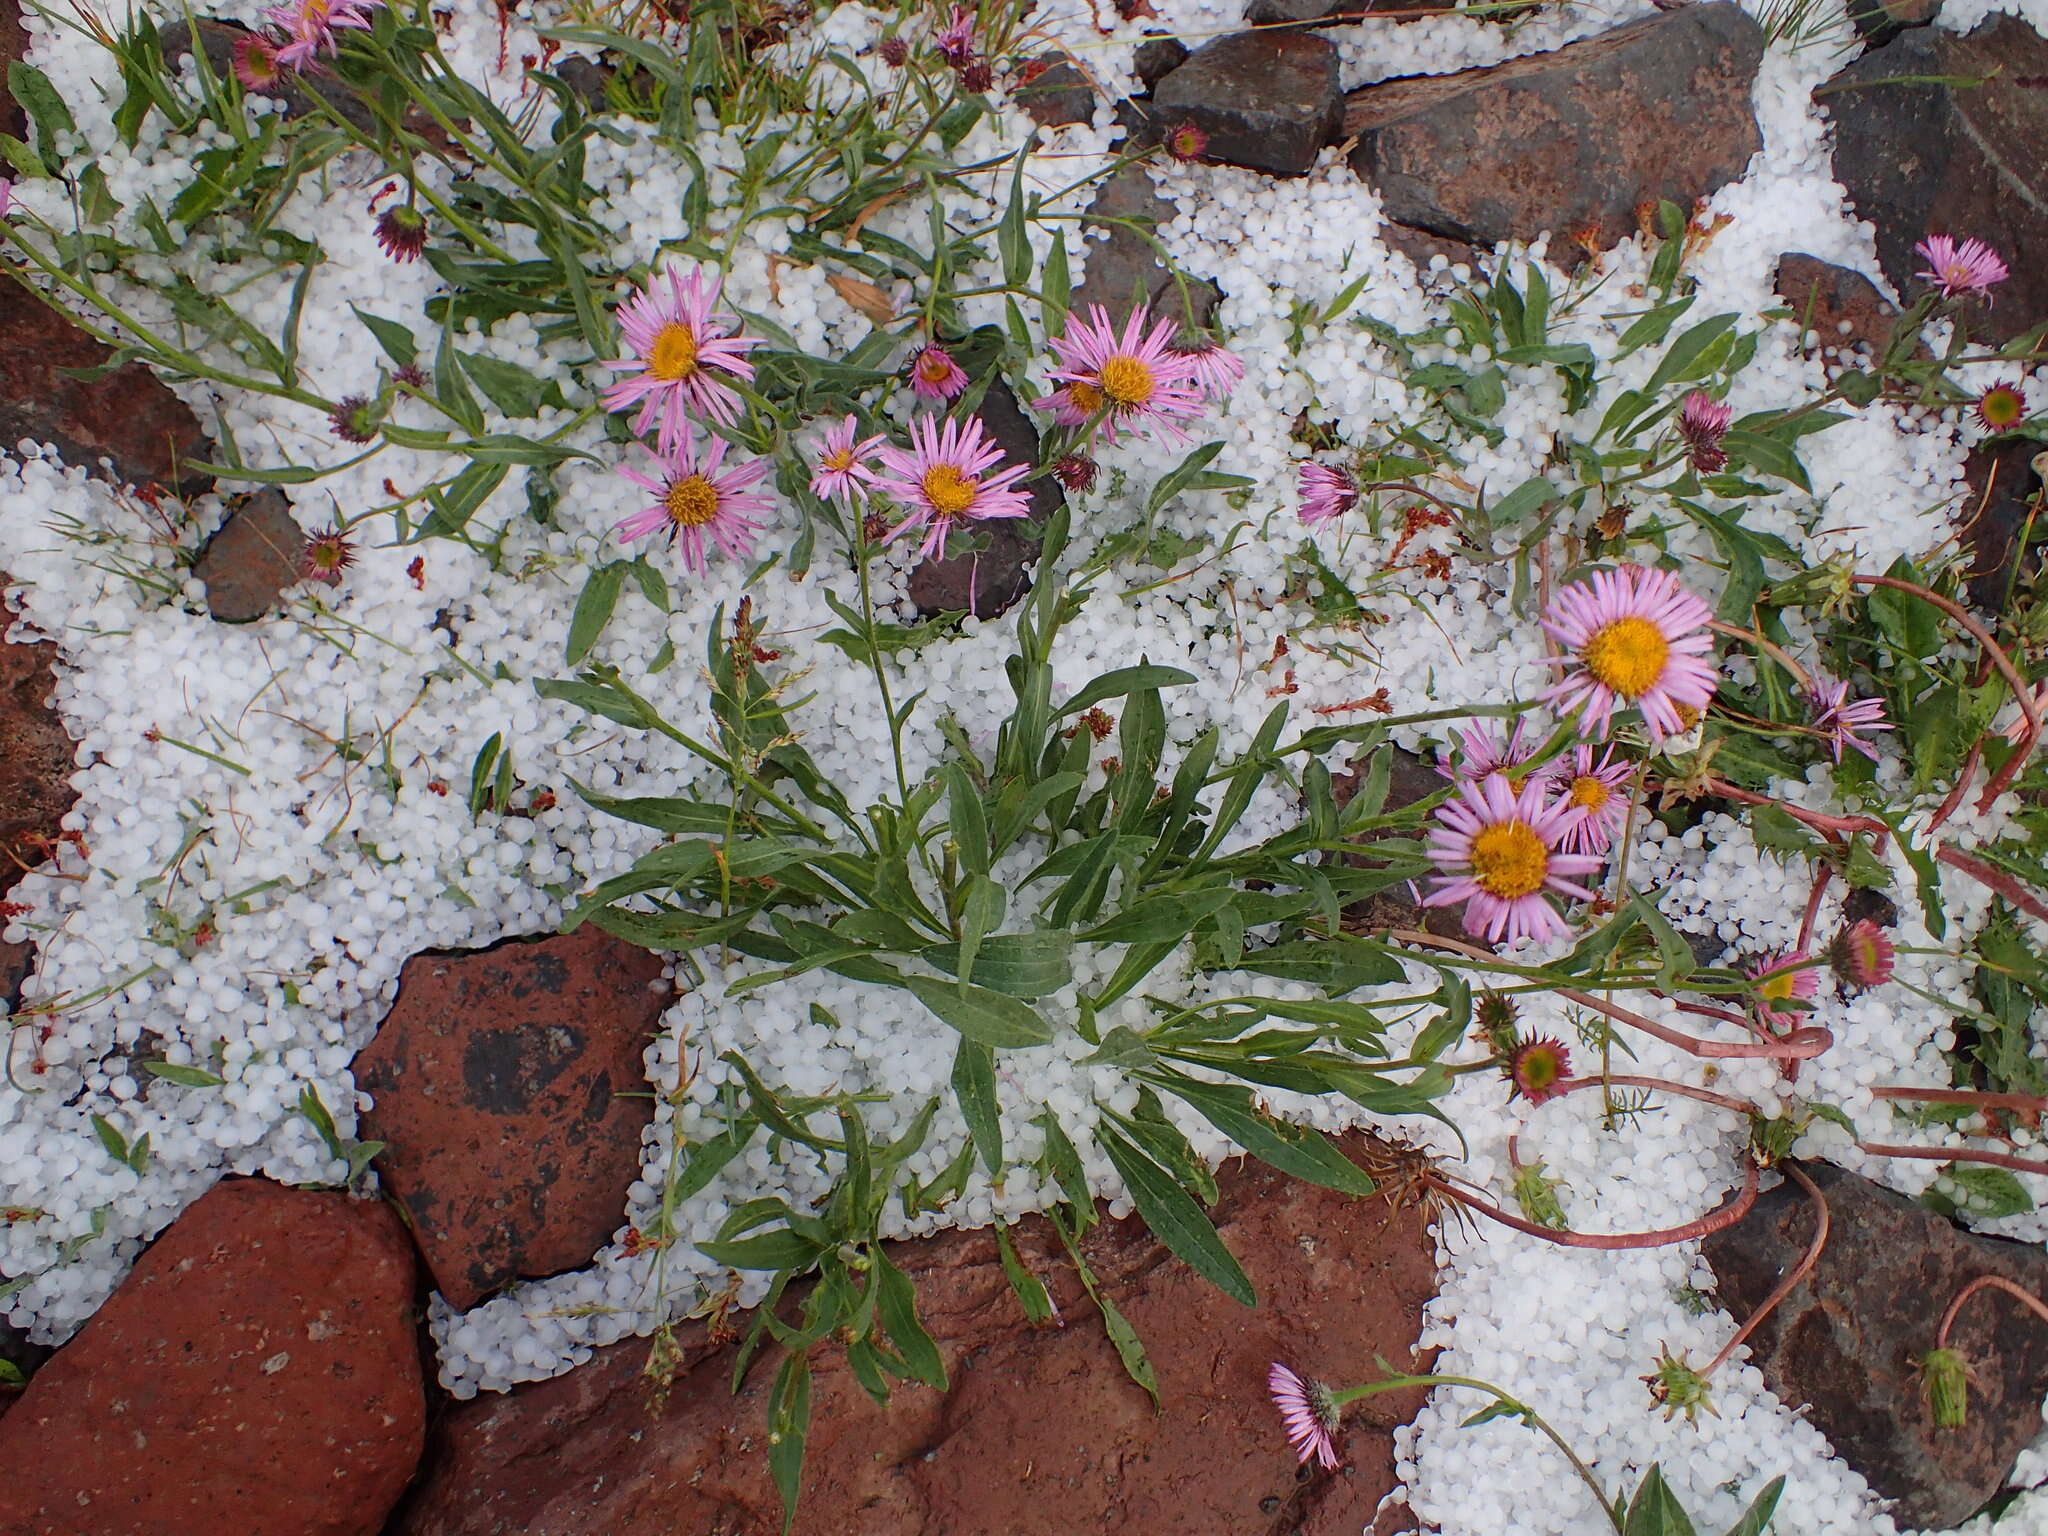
x,y
839,459
934,367
674,353
1589,792
1086,397
1687,715
949,491
1509,860
1538,1067
1777,987
1627,655
2001,406
1126,381
691,503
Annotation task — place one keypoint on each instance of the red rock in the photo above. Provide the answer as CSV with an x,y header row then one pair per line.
x,y
1844,308
36,760
251,558
1040,1434
128,417
13,44
257,1372
511,1096
1571,141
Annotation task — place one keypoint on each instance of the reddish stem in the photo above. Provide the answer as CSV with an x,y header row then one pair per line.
x,y
2024,1297
2026,1102
1800,1045
1818,820
1797,1273
1995,880
1961,787
1820,884
1956,1155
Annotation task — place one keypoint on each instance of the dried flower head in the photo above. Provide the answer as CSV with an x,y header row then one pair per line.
x,y
1496,1013
1537,1067
402,232
977,78
1677,1388
1702,423
895,51
1862,957
1536,1193
1632,637
326,556
1185,142
1960,267
353,420
1075,471
1309,1414
2002,407
411,375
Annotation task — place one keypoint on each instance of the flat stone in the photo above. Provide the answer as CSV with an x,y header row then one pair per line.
x,y
992,579
1843,307
2001,483
1879,21
1571,141
1055,92
258,1371
128,418
1328,13
251,558
1843,1347
1157,57
37,757
1040,1432
1928,159
1123,269
511,1095
1269,101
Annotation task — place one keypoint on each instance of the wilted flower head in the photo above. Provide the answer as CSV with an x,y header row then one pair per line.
x,y
697,497
326,556
977,77
1839,718
402,231
1075,471
1597,788
1495,1013
2002,407
1781,979
949,475
311,25
1215,371
1677,1388
1537,1067
1488,750
353,420
955,41
681,346
256,64
1862,956
1137,379
1702,423
410,374
1186,141
894,51
934,375
1325,492
1960,267
1498,851
1632,636
1309,1415
843,472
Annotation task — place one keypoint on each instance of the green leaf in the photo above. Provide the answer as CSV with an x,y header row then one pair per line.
x,y
789,1427
1766,455
115,1143
395,339
779,1249
896,1304
969,819
1063,1161
688,817
514,391
1655,1510
1687,358
1909,623
1011,240
594,609
1173,1216
1989,1193
1124,680
1757,1518
974,1084
1520,502
1177,479
31,88
184,1077
1055,287
1336,965
1170,916
1031,1292
1303,1153
1024,965
982,1015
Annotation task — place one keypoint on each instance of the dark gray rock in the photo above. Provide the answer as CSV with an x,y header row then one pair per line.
x,y
1572,141
1269,101
1843,1347
253,557
1998,507
1933,159
1125,269
1880,21
1158,57
992,578
1055,92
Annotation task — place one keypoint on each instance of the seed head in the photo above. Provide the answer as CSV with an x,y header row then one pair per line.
x,y
1537,1067
402,232
977,77
327,554
1495,1013
1075,471
354,420
1677,1388
895,52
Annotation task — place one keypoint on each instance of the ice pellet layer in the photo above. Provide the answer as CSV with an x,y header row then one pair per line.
x,y
326,856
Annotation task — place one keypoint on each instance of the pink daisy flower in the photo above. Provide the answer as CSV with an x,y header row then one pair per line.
x,y
1215,371
311,25
680,345
1488,752
1325,492
1702,423
949,476
1137,378
1596,788
934,375
696,497
256,64
955,41
1839,717
1632,637
1499,852
1960,267
1780,979
1862,956
1309,1415
842,472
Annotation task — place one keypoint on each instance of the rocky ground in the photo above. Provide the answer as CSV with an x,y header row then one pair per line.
x,y
265,1355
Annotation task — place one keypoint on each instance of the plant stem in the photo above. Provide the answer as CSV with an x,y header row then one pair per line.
x,y
2024,1297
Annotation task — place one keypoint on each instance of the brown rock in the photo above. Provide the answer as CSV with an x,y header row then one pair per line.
x,y
1040,1434
990,580
1054,92
1268,101
1879,21
2002,485
253,557
1843,1348
1571,141
1124,269
511,1095
13,45
36,760
127,417
256,1372
1844,308
1964,160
